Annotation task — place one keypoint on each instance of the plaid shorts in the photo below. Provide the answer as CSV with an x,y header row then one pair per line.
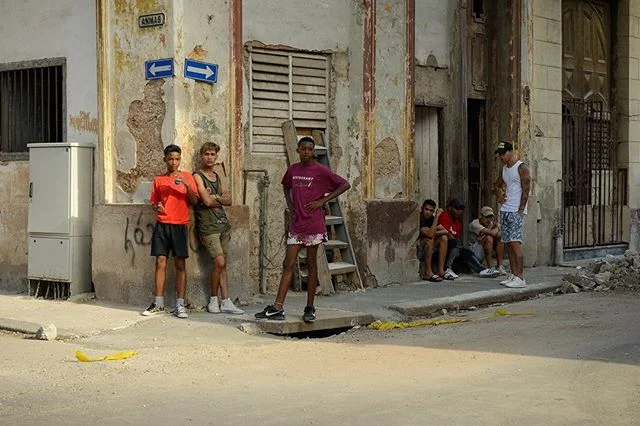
x,y
512,224
306,240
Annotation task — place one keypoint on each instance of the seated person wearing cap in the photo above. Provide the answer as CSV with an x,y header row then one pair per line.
x,y
484,237
430,240
451,220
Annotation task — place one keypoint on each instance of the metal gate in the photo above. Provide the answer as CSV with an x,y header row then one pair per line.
x,y
594,189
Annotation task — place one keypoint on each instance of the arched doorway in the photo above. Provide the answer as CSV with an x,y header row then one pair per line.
x,y
593,186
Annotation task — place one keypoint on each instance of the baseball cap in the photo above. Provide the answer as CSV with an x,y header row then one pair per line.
x,y
503,147
456,204
486,211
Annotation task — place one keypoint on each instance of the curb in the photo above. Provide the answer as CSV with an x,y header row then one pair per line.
x,y
25,327
426,307
18,326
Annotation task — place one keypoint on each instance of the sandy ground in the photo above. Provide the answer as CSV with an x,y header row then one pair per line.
x,y
576,361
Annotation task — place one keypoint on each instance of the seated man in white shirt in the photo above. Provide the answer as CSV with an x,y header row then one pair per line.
x,y
484,237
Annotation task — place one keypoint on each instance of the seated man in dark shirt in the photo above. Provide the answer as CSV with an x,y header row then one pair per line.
x,y
431,239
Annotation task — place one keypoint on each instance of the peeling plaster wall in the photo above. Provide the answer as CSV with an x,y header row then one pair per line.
x,y
435,31
434,20
151,114
352,102
14,189
142,111
338,28
32,31
147,115
325,28
541,124
392,230
389,121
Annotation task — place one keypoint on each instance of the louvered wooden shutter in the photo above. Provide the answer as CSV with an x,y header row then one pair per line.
x,y
285,85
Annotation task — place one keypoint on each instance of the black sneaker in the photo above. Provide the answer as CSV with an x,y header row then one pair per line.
x,y
309,314
153,309
271,313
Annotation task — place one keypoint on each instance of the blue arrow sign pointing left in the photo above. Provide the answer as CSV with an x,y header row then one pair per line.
x,y
202,71
158,68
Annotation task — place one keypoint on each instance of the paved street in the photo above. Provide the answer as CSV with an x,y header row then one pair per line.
x,y
575,361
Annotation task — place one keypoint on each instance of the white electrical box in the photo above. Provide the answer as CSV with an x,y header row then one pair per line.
x,y
60,207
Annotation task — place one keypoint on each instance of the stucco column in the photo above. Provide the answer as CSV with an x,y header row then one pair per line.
x,y
628,108
545,129
389,118
138,116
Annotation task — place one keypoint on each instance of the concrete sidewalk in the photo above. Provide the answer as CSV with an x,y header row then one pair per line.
x,y
394,302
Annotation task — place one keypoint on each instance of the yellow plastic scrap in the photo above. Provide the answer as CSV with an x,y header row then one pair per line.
x,y
505,313
82,357
389,325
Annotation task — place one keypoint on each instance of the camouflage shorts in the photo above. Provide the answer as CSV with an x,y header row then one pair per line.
x,y
512,226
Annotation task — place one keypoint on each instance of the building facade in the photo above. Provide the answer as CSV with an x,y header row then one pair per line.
x,y
411,96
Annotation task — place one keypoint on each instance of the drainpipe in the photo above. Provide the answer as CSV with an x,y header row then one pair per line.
x,y
263,189
558,235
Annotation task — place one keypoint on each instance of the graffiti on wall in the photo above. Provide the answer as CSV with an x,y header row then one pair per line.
x,y
137,235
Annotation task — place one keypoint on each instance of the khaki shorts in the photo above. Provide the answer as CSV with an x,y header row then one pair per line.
x,y
216,244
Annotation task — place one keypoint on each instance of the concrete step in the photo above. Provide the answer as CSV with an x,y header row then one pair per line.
x,y
326,319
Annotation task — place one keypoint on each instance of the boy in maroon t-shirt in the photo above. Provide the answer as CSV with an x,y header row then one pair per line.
x,y
307,187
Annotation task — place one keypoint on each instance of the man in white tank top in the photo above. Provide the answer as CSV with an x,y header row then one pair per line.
x,y
512,189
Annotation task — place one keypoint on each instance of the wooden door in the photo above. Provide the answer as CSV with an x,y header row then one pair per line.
x,y
586,50
427,153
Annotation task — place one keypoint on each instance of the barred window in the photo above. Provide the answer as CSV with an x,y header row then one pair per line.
x,y
31,104
284,86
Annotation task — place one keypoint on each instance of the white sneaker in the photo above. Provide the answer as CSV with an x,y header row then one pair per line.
x,y
214,305
181,312
449,275
489,273
502,270
510,278
228,307
517,282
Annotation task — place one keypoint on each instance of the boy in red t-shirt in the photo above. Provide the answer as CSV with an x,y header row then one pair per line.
x,y
171,196
307,187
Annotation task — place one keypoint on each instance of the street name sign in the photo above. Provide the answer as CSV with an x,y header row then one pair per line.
x,y
153,20
158,68
201,71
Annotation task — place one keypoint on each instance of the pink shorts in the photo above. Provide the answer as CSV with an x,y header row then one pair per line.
x,y
306,240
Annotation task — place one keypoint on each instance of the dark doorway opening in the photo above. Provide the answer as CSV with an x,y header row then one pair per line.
x,y
476,136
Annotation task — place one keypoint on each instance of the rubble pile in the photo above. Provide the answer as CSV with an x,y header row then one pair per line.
x,y
615,273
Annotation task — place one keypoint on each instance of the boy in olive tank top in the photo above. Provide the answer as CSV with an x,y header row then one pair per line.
x,y
213,227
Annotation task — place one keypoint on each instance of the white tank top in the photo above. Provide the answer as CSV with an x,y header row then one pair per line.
x,y
511,178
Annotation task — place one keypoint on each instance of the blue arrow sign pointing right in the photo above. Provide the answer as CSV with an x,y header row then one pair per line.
x,y
201,71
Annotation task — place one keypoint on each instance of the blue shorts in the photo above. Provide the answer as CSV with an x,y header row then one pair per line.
x,y
512,226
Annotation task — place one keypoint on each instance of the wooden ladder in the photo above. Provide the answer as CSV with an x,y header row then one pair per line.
x,y
336,259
